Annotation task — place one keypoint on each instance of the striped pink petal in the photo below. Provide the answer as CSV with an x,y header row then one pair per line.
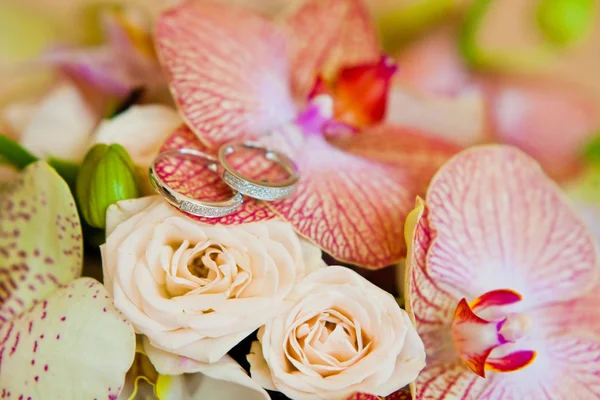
x,y
550,262
350,198
227,68
329,34
549,124
501,223
195,180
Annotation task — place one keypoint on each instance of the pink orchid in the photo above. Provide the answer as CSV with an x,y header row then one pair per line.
x,y
503,283
124,63
60,335
439,93
236,75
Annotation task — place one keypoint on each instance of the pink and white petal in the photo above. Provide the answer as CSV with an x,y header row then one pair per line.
x,y
551,125
227,69
61,124
416,152
326,35
74,344
222,379
352,197
449,380
197,181
460,119
499,223
40,239
433,65
349,206
363,396
430,307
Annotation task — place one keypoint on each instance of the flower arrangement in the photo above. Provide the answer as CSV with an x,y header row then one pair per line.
x,y
330,199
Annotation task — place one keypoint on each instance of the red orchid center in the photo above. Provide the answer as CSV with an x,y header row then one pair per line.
x,y
492,344
359,92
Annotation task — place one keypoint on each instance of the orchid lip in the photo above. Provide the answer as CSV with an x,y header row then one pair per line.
x,y
476,338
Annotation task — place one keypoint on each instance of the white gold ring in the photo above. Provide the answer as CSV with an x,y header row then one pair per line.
x,y
261,190
208,209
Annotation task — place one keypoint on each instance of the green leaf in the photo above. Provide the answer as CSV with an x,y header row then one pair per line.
x,y
13,153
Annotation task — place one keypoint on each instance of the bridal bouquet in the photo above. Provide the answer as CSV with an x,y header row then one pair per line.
x,y
316,199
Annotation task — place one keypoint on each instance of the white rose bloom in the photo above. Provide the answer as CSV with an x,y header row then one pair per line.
x,y
343,335
197,290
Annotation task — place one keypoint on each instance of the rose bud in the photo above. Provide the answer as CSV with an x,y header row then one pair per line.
x,y
106,176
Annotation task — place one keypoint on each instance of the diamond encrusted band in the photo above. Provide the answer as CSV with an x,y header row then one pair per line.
x,y
261,190
208,209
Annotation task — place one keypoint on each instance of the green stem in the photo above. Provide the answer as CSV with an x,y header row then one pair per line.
x,y
13,153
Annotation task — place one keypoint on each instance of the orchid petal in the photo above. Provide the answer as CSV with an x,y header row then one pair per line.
x,y
116,68
401,394
363,396
327,35
227,69
418,154
61,125
474,337
565,356
197,181
551,125
500,297
435,92
74,344
350,205
40,239
500,222
511,362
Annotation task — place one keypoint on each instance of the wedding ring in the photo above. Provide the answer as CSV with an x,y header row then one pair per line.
x,y
261,190
208,209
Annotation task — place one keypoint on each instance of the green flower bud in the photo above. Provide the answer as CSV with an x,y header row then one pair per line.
x,y
563,22
105,177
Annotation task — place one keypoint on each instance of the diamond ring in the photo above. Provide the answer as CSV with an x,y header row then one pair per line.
x,y
208,209
261,190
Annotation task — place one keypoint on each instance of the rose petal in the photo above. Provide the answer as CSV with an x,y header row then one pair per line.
x,y
222,379
73,344
227,69
61,125
141,130
197,181
549,124
40,239
501,223
329,34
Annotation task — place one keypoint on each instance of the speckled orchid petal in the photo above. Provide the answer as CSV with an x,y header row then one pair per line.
x,y
40,239
515,231
549,124
74,344
197,181
329,34
227,68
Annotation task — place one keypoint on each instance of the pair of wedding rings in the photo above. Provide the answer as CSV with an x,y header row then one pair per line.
x,y
240,184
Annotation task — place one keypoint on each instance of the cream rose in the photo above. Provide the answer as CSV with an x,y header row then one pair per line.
x,y
343,335
194,289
